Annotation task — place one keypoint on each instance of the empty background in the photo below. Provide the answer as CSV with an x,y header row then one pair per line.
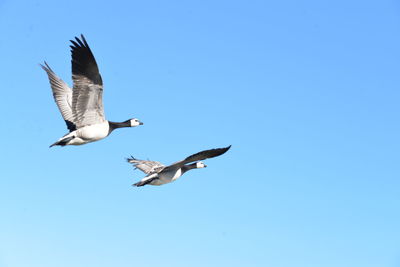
x,y
306,92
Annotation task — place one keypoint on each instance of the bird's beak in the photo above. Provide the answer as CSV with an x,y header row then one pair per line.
x,y
205,166
140,123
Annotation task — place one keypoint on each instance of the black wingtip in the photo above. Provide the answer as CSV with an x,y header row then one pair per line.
x,y
79,42
207,154
83,39
83,61
224,149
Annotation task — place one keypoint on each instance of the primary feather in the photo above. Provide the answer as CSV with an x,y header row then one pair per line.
x,y
87,96
62,95
202,155
146,166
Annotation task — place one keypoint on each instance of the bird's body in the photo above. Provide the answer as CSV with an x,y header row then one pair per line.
x,y
82,106
159,174
162,177
86,134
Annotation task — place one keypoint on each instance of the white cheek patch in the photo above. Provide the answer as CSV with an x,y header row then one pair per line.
x,y
134,123
199,164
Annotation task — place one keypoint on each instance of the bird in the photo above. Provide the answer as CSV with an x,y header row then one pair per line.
x,y
82,106
159,174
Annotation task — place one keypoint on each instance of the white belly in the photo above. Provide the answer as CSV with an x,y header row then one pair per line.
x,y
88,134
93,132
164,178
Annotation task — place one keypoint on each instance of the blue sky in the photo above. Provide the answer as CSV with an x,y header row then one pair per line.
x,y
306,92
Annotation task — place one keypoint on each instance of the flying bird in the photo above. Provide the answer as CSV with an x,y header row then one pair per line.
x,y
159,174
82,106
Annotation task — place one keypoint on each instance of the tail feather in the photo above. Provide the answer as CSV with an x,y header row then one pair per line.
x,y
144,181
63,141
138,184
55,144
133,160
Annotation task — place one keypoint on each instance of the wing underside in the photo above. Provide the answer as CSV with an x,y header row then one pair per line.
x,y
62,94
146,166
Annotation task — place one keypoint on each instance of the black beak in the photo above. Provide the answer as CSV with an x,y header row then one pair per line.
x,y
205,166
140,123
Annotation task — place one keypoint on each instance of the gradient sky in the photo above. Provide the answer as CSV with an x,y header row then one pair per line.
x,y
306,92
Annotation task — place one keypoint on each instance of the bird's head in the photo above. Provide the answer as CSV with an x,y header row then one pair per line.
x,y
135,122
200,164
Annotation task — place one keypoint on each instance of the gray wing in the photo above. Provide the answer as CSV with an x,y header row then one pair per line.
x,y
87,96
146,166
202,155
62,95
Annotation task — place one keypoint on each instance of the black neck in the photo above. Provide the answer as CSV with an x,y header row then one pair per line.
x,y
116,125
188,167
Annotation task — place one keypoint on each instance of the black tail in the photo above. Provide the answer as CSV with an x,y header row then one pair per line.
x,y
142,183
138,184
63,141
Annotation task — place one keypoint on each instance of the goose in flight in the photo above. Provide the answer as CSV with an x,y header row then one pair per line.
x,y
82,106
159,174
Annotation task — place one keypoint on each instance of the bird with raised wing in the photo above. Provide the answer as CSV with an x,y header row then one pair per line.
x,y
159,174
82,106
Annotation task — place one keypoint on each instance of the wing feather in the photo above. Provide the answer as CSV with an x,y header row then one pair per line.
x,y
146,166
62,94
202,155
87,95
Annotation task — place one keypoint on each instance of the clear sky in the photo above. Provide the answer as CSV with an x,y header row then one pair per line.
x,y
306,92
